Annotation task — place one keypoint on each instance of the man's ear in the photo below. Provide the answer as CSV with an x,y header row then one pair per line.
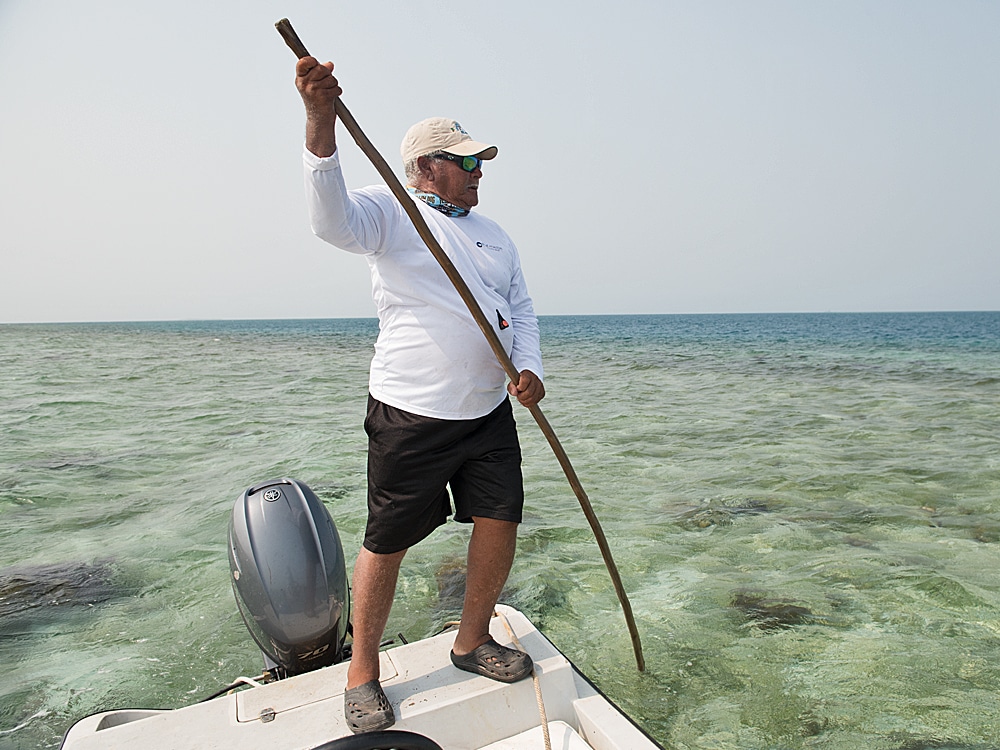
x,y
424,166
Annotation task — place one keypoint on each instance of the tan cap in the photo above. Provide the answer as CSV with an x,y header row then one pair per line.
x,y
442,134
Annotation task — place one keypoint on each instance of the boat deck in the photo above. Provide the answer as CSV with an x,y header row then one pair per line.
x,y
456,709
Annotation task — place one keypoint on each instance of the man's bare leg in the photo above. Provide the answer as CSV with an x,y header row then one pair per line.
x,y
373,589
491,554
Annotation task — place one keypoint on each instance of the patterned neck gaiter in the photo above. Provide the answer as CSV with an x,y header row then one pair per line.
x,y
436,201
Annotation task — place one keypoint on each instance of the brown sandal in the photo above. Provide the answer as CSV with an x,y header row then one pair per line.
x,y
367,709
495,661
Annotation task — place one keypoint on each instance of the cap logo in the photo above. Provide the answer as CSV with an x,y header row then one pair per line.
x,y
456,128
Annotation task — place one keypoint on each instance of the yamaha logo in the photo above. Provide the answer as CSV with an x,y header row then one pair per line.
x,y
272,495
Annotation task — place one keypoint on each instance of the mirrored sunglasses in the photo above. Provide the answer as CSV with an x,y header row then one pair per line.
x,y
468,163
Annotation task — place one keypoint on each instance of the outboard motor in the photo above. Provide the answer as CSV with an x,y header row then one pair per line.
x,y
289,576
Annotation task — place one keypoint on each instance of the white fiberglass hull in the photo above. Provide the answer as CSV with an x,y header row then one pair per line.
x,y
456,709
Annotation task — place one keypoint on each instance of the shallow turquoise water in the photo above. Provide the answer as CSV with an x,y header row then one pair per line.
x,y
805,510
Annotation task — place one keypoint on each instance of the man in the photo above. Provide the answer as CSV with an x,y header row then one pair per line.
x,y
438,413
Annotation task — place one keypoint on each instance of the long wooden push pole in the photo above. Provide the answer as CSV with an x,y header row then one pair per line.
x,y
293,41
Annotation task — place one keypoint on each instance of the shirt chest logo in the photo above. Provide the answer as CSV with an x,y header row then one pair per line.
x,y
486,245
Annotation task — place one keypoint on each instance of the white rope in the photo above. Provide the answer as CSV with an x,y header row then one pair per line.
x,y
248,681
534,678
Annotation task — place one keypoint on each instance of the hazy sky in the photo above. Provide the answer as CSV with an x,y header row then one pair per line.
x,y
655,157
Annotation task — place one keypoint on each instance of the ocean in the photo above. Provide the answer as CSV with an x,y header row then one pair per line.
x,y
805,511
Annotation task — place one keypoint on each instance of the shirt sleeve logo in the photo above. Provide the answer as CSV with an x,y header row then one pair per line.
x,y
501,322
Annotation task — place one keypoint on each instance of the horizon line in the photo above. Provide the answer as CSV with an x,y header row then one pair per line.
x,y
540,316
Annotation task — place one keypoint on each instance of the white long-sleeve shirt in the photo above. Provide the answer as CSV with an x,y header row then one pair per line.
x,y
430,358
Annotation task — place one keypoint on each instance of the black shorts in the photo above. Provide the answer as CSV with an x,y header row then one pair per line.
x,y
413,459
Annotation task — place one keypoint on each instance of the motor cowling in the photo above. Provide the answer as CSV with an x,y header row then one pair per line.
x,y
289,576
